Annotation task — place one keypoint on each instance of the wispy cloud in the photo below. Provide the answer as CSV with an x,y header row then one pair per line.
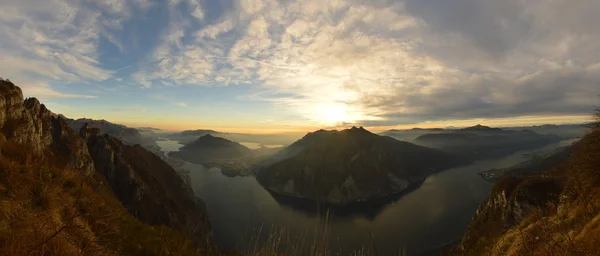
x,y
57,40
328,62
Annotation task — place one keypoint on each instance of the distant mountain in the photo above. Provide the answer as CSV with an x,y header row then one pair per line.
x,y
564,131
209,148
189,136
411,134
353,165
480,128
482,141
129,136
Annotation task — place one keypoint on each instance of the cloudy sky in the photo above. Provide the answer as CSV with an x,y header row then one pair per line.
x,y
296,65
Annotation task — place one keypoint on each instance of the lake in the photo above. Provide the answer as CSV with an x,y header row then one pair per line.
x,y
435,213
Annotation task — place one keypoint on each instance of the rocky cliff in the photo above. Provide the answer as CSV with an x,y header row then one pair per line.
x,y
556,212
27,122
64,193
353,165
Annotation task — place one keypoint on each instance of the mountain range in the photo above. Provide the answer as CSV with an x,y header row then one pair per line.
x,y
485,142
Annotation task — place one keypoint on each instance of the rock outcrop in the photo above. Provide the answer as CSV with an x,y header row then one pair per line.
x,y
349,166
27,122
551,212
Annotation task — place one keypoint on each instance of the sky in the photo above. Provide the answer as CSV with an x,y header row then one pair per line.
x,y
263,66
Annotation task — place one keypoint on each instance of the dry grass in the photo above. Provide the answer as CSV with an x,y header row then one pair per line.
x,y
567,226
47,209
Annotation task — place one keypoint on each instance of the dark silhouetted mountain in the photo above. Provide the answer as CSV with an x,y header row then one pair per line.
x,y
482,141
189,136
564,131
480,128
344,167
209,148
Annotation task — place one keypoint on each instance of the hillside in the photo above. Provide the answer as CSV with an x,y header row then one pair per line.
x,y
550,213
61,194
342,167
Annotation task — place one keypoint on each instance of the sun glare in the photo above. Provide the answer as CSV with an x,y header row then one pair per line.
x,y
333,114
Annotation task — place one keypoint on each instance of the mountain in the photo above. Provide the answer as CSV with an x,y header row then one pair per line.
x,y
411,134
64,193
189,136
566,131
127,135
209,149
349,166
554,212
482,141
480,128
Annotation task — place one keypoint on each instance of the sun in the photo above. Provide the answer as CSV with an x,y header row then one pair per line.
x,y
333,114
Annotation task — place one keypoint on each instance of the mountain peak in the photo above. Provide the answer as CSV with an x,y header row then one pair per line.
x,y
480,127
356,129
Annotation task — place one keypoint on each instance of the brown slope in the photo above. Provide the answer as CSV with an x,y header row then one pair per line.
x,y
551,213
54,202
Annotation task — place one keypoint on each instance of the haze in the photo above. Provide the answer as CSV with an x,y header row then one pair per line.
x,y
265,66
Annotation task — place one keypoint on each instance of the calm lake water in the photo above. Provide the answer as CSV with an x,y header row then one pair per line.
x,y
435,213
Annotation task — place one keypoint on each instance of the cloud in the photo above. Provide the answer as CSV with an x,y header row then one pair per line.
x,y
57,40
335,62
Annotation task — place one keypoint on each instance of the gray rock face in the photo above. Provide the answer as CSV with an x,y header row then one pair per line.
x,y
27,122
511,201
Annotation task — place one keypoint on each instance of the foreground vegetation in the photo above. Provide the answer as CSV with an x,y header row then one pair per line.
x,y
48,209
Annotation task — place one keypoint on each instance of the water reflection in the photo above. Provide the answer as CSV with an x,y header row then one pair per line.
x,y
368,210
